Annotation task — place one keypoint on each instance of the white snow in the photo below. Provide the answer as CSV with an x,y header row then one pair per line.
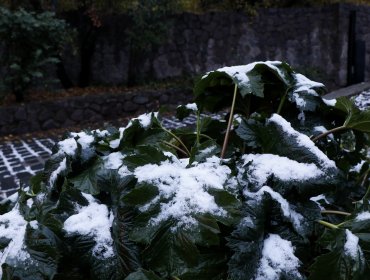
x,y
68,146
192,106
362,100
13,227
264,165
277,258
357,167
54,175
317,198
351,247
145,119
29,202
296,218
329,102
84,139
185,189
113,160
115,143
94,221
34,224
239,72
303,140
299,101
363,216
305,84
101,133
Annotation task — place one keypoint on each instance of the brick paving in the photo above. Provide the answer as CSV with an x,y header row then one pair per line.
x,y
21,159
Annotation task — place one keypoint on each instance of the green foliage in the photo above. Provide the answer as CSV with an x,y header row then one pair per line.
x,y
31,43
143,202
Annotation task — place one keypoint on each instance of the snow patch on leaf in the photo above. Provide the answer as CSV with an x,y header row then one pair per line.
x,y
84,139
13,228
115,143
363,216
54,175
351,247
296,218
303,140
329,102
184,189
192,106
277,258
305,84
264,165
68,146
94,221
113,160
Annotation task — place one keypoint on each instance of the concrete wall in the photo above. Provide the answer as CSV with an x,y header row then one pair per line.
x,y
313,40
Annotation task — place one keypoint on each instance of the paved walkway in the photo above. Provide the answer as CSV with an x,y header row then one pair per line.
x,y
21,159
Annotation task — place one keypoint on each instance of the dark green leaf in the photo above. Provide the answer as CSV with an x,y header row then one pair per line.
x,y
143,275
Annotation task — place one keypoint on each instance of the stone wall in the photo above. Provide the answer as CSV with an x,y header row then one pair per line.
x,y
313,40
43,115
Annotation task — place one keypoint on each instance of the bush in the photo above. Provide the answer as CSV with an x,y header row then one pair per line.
x,y
31,42
143,202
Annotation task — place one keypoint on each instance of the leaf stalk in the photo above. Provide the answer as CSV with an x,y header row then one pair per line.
x,y
327,224
231,117
335,212
177,139
328,132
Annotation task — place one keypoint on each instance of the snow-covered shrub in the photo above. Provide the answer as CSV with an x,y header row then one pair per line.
x,y
285,196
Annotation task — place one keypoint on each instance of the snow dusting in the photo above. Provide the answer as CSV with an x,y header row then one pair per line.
x,y
113,160
54,175
330,102
262,166
239,72
68,146
277,258
362,100
351,247
296,218
115,143
303,140
13,228
184,189
94,221
319,198
192,106
84,139
305,84
363,216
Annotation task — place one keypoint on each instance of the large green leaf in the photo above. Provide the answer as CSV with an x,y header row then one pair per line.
x,y
143,275
42,247
355,119
86,181
344,261
171,252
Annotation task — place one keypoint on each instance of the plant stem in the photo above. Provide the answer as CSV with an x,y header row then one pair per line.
x,y
367,194
175,147
198,127
327,224
365,178
335,212
178,140
226,140
328,132
282,101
